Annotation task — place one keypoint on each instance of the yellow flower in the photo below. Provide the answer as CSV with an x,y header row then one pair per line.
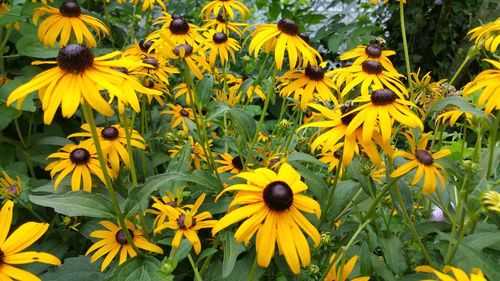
x,y
149,4
20,239
344,271
197,154
452,115
159,207
65,22
175,31
224,7
154,67
113,141
424,161
491,201
220,24
179,114
113,241
487,35
306,85
81,160
236,86
220,45
332,157
371,52
271,204
489,82
381,109
182,89
194,57
280,37
459,275
9,187
3,8
80,77
425,92
232,164
186,223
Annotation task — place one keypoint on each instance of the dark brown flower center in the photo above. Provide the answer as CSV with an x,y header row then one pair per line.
x,y
237,163
70,9
372,67
75,58
12,189
151,61
316,73
373,51
220,37
79,156
278,196
182,224
288,26
179,26
188,50
172,204
109,133
145,46
220,18
273,162
121,69
308,113
120,237
184,113
424,157
346,108
1,257
337,154
383,97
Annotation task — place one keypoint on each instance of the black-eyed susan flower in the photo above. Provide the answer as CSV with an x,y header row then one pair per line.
x,y
65,22
113,241
225,7
381,109
424,162
232,164
332,157
282,37
179,115
175,31
491,201
149,4
272,203
236,84
182,90
370,74
194,57
11,247
78,77
9,187
218,44
487,35
158,207
425,92
197,153
371,52
231,97
458,274
113,141
309,84
452,115
80,160
336,124
344,270
489,82
186,222
155,68
220,24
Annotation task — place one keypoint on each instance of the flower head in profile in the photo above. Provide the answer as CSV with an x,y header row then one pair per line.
x,y
65,22
489,82
149,4
79,77
221,46
487,35
458,274
344,270
11,247
179,115
452,115
113,141
193,57
217,7
220,24
113,241
312,83
491,201
271,205
281,37
9,187
80,160
242,85
186,222
425,92
232,164
424,162
154,67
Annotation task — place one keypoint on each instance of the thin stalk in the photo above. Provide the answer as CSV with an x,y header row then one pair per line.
x,y
329,201
252,271
405,45
450,253
195,269
89,118
27,152
493,140
108,22
128,135
464,63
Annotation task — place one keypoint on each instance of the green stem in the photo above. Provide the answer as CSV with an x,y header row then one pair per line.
x,y
329,201
493,140
108,22
89,117
459,214
195,269
252,271
405,46
128,135
464,63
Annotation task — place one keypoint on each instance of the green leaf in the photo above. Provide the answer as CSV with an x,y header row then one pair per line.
x,y
467,258
313,181
459,102
76,268
138,268
55,141
303,157
381,268
426,228
243,123
479,241
393,254
231,251
75,204
203,89
6,89
365,264
7,115
30,46
182,160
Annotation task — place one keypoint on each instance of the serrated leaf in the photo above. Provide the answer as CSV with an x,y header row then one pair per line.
x,y
231,251
75,204
393,254
138,268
